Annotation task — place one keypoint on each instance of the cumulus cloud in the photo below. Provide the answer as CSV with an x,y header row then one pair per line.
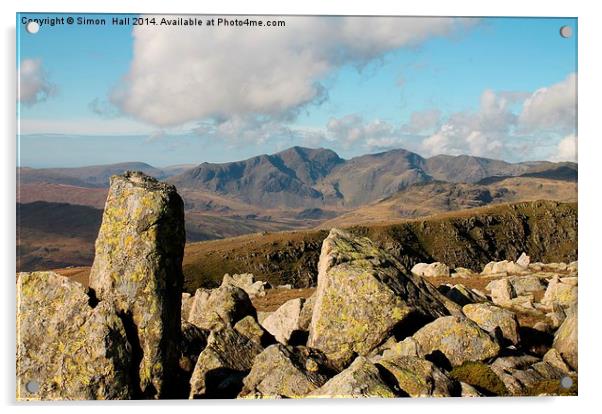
x,y
190,73
423,121
33,84
552,108
566,149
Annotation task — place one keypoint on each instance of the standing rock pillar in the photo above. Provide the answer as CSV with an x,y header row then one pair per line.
x,y
138,268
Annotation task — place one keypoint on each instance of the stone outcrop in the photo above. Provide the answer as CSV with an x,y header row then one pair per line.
x,y
246,282
138,269
504,266
281,371
223,364
490,317
68,347
221,307
249,327
561,291
565,339
360,379
363,295
284,322
457,339
417,377
436,269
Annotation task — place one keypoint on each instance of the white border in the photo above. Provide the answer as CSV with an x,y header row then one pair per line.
x,y
590,202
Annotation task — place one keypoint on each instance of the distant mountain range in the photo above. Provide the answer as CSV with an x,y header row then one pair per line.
x,y
298,188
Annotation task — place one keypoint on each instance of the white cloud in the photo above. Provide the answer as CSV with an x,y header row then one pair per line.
x,y
181,74
33,84
566,149
553,108
423,121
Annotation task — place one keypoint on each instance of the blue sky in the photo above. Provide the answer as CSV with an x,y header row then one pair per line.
x,y
496,87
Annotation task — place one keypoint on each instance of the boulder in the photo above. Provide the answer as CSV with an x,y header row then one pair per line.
x,y
70,348
363,295
501,291
573,267
554,358
462,272
246,282
285,320
561,292
192,343
565,339
436,269
306,313
523,285
458,339
407,347
523,260
187,300
489,317
467,390
250,328
223,364
463,296
138,269
360,379
417,377
503,266
284,371
221,307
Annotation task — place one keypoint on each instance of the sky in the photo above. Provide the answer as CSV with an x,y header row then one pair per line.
x,y
501,88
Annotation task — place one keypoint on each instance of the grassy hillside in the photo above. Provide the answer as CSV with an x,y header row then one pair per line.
x,y
546,230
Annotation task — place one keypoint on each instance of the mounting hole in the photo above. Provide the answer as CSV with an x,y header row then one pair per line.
x,y
566,382
566,31
32,386
32,27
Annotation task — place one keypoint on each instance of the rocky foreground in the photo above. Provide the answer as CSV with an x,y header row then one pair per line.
x,y
372,328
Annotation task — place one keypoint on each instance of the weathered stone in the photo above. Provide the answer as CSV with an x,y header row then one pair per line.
x,y
501,291
407,347
261,316
554,358
436,269
490,317
506,367
72,350
467,390
503,266
462,272
565,339
557,316
192,343
221,307
187,300
573,267
523,260
417,377
223,364
364,294
458,339
526,284
306,313
281,371
463,296
360,379
285,320
246,282
536,373
138,268
250,328
561,293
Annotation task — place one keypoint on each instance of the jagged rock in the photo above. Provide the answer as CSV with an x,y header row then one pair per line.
x,y
417,377
261,316
364,294
223,364
538,372
573,267
138,268
281,371
503,266
560,292
187,300
523,285
285,320
501,291
467,390
72,350
306,313
554,358
246,282
407,347
250,328
490,317
462,272
436,269
217,308
565,339
557,316
505,368
360,379
542,327
458,339
523,260
192,342
463,296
